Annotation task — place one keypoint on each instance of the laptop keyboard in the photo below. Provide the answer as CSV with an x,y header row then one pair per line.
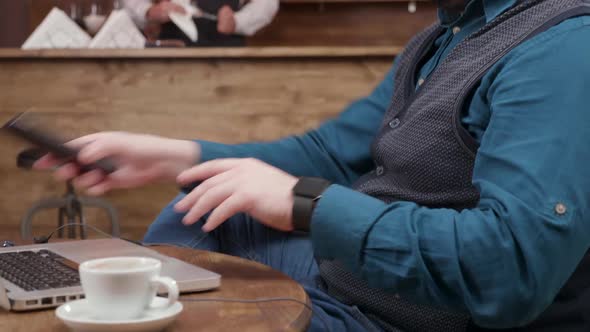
x,y
37,270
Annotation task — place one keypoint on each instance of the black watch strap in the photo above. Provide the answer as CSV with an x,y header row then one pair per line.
x,y
306,193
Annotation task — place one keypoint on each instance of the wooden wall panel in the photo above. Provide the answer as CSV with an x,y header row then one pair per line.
x,y
14,22
222,100
348,23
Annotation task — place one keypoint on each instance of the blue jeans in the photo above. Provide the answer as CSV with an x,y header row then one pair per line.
x,y
290,253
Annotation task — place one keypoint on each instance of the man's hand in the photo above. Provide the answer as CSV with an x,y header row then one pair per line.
x,y
140,160
231,186
226,22
160,12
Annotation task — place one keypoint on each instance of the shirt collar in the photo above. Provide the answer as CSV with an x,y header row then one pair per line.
x,y
491,10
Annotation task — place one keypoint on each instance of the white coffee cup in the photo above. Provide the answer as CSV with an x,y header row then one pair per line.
x,y
119,288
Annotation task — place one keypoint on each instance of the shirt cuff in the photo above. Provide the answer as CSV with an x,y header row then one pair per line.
x,y
242,28
340,223
212,150
139,12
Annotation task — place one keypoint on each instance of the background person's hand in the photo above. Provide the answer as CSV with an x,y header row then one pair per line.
x,y
232,186
140,160
160,12
226,22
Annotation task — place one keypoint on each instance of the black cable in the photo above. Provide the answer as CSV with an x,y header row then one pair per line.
x,y
162,244
258,300
45,239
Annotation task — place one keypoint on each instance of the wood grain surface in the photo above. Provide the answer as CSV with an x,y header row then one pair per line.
x,y
241,279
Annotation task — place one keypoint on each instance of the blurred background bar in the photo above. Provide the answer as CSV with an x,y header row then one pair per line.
x,y
298,23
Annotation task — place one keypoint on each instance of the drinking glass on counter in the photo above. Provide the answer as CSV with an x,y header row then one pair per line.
x,y
95,19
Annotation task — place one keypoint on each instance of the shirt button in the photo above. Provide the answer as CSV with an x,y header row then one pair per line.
x,y
560,209
379,170
456,30
420,82
394,123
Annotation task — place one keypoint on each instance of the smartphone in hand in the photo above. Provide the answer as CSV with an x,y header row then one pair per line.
x,y
49,142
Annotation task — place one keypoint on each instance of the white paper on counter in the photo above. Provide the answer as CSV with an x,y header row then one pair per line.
x,y
57,31
118,31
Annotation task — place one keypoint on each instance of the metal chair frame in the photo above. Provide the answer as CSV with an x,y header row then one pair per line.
x,y
70,210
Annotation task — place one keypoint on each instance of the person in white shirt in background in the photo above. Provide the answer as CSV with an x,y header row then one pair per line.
x,y
235,19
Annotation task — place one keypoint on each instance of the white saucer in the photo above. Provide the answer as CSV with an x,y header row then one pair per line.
x,y
77,316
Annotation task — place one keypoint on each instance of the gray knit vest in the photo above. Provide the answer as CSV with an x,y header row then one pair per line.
x,y
424,155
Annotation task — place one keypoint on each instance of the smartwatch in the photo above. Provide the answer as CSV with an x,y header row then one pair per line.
x,y
306,193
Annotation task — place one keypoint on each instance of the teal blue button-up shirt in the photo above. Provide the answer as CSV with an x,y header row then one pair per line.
x,y
504,260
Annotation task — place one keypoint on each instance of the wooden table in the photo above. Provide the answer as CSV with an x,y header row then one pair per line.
x,y
241,279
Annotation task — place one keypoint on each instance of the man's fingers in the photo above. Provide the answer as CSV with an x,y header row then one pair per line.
x,y
88,179
128,176
98,150
210,199
48,161
67,172
80,142
117,179
223,212
207,170
101,188
191,198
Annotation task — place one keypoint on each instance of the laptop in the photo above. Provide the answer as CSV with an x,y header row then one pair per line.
x,y
46,275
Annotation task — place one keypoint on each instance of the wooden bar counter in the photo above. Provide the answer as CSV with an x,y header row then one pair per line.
x,y
228,95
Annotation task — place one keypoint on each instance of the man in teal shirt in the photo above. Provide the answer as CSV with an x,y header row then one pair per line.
x,y
502,262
